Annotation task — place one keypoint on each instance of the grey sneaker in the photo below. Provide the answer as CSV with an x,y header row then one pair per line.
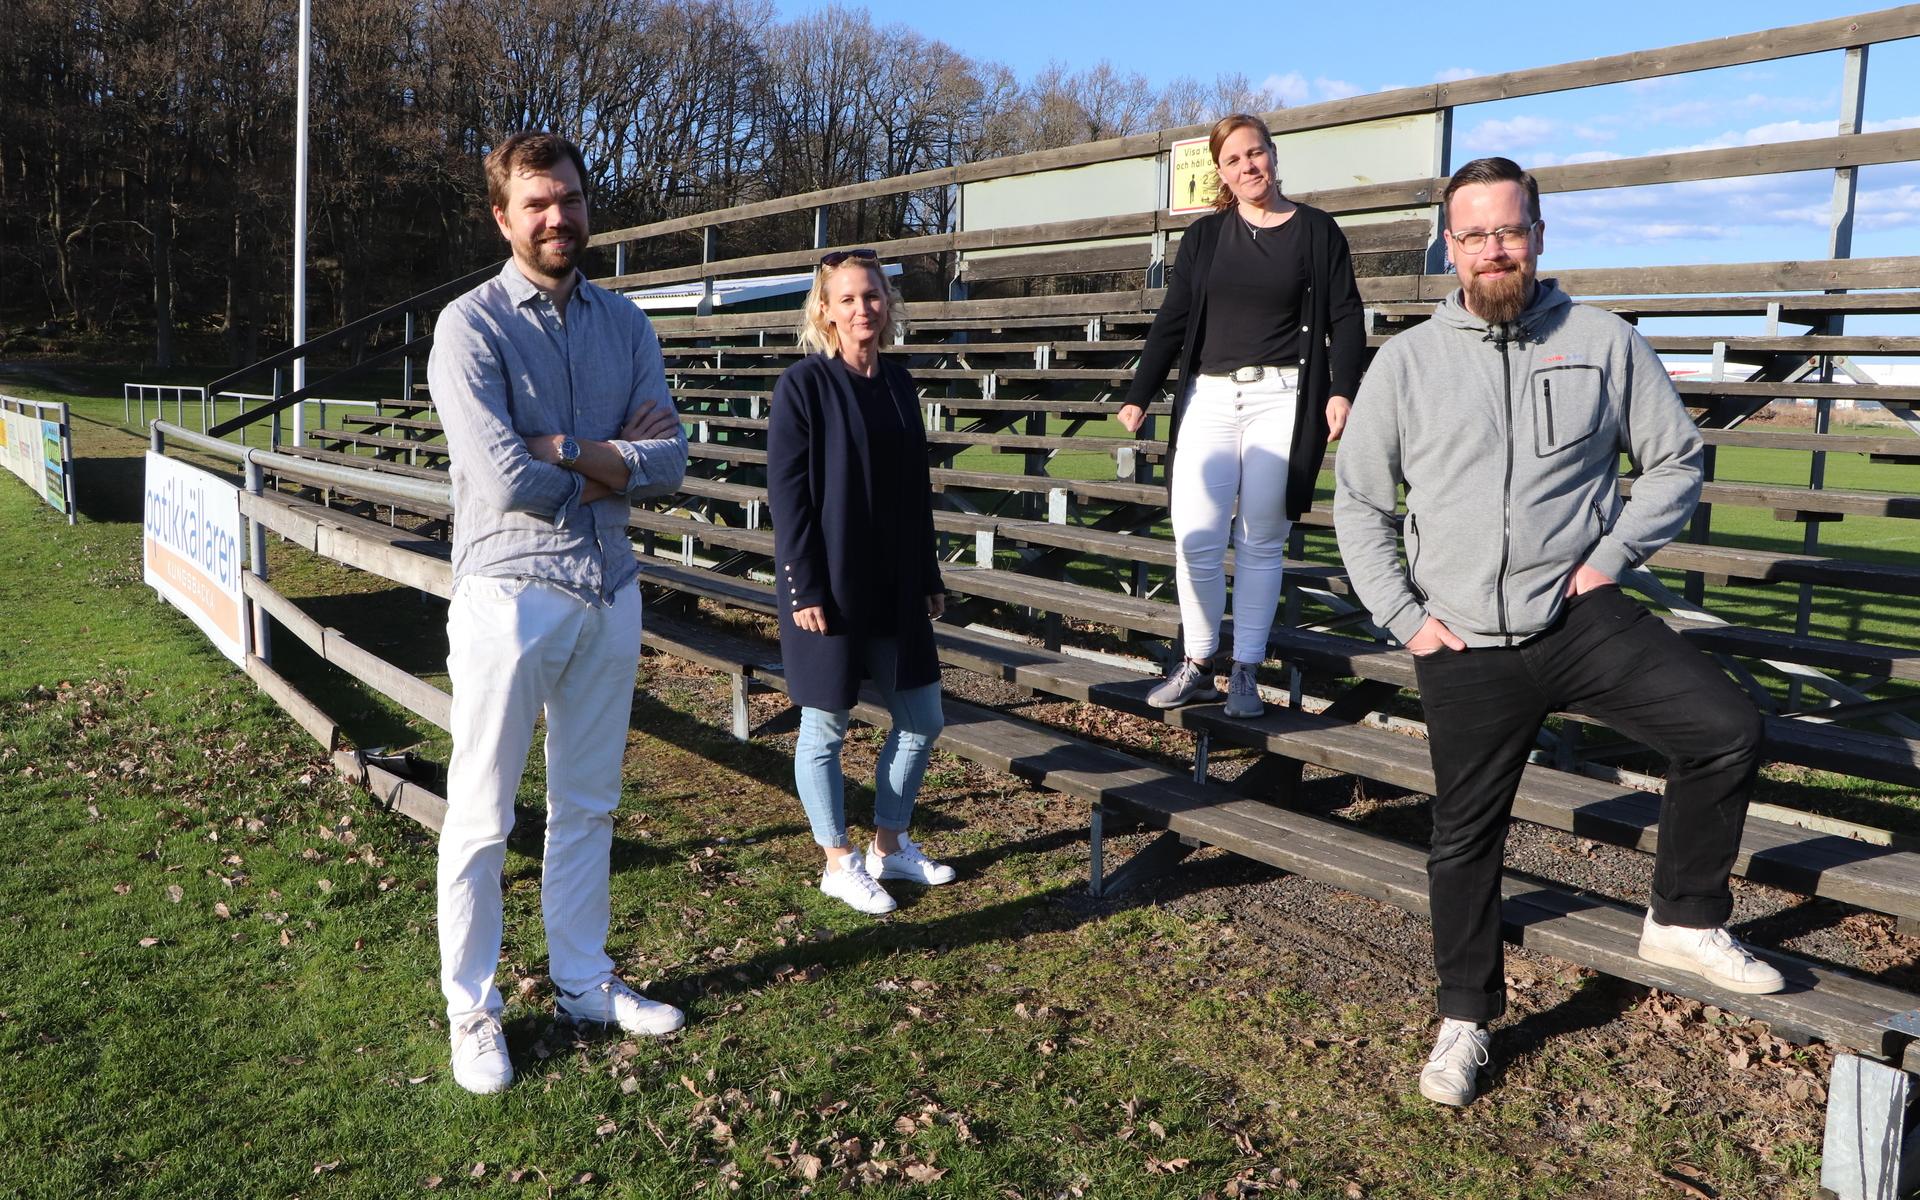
x,y
1243,693
1189,683
1452,1073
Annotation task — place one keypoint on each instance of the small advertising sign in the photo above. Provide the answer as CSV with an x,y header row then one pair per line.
x,y
54,465
1193,181
193,549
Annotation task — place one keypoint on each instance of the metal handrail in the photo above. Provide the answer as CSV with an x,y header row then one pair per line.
x,y
337,337
361,481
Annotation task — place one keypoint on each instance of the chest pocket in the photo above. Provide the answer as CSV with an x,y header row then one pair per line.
x,y
1568,403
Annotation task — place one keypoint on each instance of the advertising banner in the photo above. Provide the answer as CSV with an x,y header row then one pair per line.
x,y
193,549
53,465
22,451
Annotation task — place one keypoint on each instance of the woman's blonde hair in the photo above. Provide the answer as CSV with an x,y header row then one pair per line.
x,y
817,334
1222,130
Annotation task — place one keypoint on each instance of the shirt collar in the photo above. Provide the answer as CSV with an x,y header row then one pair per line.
x,y
520,289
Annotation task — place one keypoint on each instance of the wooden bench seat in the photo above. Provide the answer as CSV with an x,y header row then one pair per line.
x,y
1798,307
1872,876
368,424
387,444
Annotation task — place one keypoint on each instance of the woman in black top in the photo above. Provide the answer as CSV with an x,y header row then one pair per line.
x,y
1262,316
855,570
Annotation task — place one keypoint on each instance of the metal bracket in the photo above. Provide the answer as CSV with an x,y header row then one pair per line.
x,y
1868,1152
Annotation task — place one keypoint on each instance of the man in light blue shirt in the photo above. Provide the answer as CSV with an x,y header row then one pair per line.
x,y
556,410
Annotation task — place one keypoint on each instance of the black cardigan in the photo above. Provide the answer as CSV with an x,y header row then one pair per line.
x,y
820,494
1332,344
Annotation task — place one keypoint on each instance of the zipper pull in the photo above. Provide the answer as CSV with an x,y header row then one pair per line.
x,y
1546,388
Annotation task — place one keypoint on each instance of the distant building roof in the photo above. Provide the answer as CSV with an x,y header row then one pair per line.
x,y
686,297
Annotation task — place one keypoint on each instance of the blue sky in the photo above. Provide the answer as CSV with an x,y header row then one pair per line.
x,y
1320,51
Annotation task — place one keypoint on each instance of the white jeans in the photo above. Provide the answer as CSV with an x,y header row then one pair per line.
x,y
1234,442
515,647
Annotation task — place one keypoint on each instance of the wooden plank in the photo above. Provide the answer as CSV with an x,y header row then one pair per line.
x,y
1086,260
286,612
365,462
1793,307
1810,154
1831,443
402,687
1805,343
1653,280
305,713
403,796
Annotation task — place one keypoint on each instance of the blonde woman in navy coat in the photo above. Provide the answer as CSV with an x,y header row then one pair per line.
x,y
855,570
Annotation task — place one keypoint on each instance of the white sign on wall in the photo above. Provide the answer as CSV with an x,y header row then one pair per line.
x,y
193,549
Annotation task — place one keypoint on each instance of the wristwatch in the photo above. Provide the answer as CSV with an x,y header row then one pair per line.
x,y
569,451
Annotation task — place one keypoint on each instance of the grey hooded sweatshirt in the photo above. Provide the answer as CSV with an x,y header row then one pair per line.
x,y
1508,441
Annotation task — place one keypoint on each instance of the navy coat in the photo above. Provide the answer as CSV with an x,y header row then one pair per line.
x,y
820,493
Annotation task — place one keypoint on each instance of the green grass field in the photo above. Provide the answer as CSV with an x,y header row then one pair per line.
x,y
219,967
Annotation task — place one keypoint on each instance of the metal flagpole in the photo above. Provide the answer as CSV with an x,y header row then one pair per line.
x,y
300,222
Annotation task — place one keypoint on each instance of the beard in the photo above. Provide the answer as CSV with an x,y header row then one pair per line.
x,y
1499,299
551,260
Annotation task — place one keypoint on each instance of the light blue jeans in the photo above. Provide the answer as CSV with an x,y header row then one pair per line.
x,y
917,722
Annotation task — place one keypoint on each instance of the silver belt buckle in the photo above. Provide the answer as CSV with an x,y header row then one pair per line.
x,y
1248,374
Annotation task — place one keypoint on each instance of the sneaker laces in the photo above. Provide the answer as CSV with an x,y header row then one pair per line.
x,y
1718,941
1451,1037
856,871
1241,682
908,851
482,1030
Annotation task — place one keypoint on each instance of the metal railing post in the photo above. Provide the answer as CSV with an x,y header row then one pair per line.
x,y
257,564
406,362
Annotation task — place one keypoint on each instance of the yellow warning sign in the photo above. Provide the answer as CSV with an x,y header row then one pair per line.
x,y
1194,182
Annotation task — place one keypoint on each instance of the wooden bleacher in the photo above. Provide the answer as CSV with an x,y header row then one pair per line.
x,y
1071,573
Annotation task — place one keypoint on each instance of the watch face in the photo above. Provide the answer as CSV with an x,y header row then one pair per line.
x,y
569,450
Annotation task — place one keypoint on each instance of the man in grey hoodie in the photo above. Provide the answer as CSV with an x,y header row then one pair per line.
x,y
1504,417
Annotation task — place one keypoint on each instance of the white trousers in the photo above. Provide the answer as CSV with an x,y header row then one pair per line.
x,y
516,647
1234,442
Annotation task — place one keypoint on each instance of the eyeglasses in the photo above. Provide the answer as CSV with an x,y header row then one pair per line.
x,y
839,256
1512,237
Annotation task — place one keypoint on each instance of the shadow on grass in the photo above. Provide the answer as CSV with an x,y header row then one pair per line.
x,y
110,490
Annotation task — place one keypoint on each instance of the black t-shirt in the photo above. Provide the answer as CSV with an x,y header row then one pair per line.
x,y
1254,295
886,446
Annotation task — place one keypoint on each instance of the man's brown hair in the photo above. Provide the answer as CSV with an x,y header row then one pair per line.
x,y
528,152
1493,170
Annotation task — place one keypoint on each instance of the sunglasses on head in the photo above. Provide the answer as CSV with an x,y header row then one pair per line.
x,y
839,256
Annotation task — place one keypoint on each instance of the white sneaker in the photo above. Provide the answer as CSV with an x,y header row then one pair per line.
x,y
850,884
1712,954
1452,1073
614,1003
908,863
480,1062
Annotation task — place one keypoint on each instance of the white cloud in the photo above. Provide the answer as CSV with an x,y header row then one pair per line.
x,y
1292,88
1455,74
1547,158
1509,136
1295,89
1912,122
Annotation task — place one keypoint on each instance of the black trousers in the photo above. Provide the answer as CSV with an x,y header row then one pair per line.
x,y
1609,658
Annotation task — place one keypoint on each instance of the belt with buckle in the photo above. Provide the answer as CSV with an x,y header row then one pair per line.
x,y
1256,374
